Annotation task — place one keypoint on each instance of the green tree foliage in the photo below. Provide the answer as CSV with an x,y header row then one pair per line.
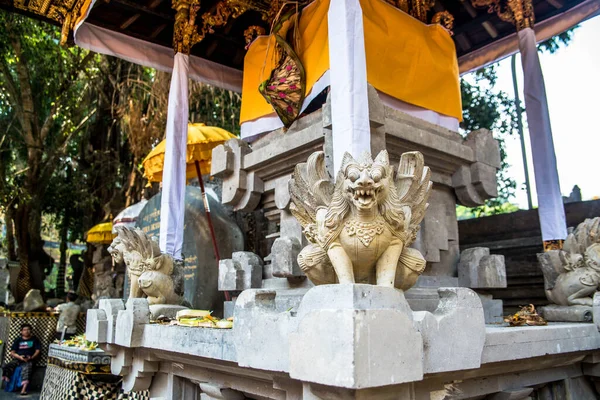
x,y
44,104
74,128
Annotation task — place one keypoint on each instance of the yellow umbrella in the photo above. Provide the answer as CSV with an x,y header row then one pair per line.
x,y
101,234
200,142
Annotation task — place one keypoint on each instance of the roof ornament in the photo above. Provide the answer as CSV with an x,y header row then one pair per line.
x,y
517,12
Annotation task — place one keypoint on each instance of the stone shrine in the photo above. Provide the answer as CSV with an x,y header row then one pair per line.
x,y
294,340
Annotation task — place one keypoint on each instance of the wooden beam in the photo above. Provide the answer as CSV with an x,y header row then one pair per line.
x,y
140,8
157,31
487,25
130,21
555,3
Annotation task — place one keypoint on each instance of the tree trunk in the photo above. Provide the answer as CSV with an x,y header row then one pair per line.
x,y
10,235
62,266
32,257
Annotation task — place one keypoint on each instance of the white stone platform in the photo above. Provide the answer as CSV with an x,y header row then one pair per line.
x,y
345,341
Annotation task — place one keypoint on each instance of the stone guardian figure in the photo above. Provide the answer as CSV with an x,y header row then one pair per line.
x,y
152,274
361,226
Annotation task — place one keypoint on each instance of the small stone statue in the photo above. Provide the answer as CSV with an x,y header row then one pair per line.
x,y
361,227
103,286
572,275
155,275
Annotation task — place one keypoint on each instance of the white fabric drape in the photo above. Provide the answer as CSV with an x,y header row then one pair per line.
x,y
550,205
152,55
174,172
349,99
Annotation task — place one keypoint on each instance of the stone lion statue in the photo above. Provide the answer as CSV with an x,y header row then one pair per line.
x,y
152,274
572,275
361,227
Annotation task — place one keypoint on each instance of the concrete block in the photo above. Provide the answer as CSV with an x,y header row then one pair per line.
x,y
243,271
459,315
111,307
96,326
485,147
347,337
252,266
231,275
130,323
284,257
556,313
493,310
491,272
478,269
261,331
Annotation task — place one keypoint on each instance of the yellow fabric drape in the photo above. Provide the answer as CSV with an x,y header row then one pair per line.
x,y
406,59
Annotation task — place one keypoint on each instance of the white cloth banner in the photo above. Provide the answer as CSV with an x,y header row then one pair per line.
x,y
172,208
155,56
349,99
550,205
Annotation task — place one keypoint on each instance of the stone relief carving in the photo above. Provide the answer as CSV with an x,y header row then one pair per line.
x,y
152,274
572,275
361,226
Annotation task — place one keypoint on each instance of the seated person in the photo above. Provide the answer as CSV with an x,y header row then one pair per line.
x,y
67,321
25,349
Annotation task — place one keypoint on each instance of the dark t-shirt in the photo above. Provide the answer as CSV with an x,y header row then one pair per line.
x,y
26,347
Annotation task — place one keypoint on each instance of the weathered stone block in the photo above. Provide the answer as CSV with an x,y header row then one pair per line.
x,y
284,257
96,326
261,331
130,323
346,338
111,307
242,271
459,315
231,275
556,313
478,269
493,310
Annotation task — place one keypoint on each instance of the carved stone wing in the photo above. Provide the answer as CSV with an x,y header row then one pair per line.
x,y
310,189
413,186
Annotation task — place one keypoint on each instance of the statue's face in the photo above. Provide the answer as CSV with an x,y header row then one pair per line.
x,y
116,250
365,184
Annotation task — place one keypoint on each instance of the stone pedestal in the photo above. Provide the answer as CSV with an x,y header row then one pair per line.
x,y
343,338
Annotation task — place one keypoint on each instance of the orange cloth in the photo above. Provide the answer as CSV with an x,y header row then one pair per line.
x,y
406,59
